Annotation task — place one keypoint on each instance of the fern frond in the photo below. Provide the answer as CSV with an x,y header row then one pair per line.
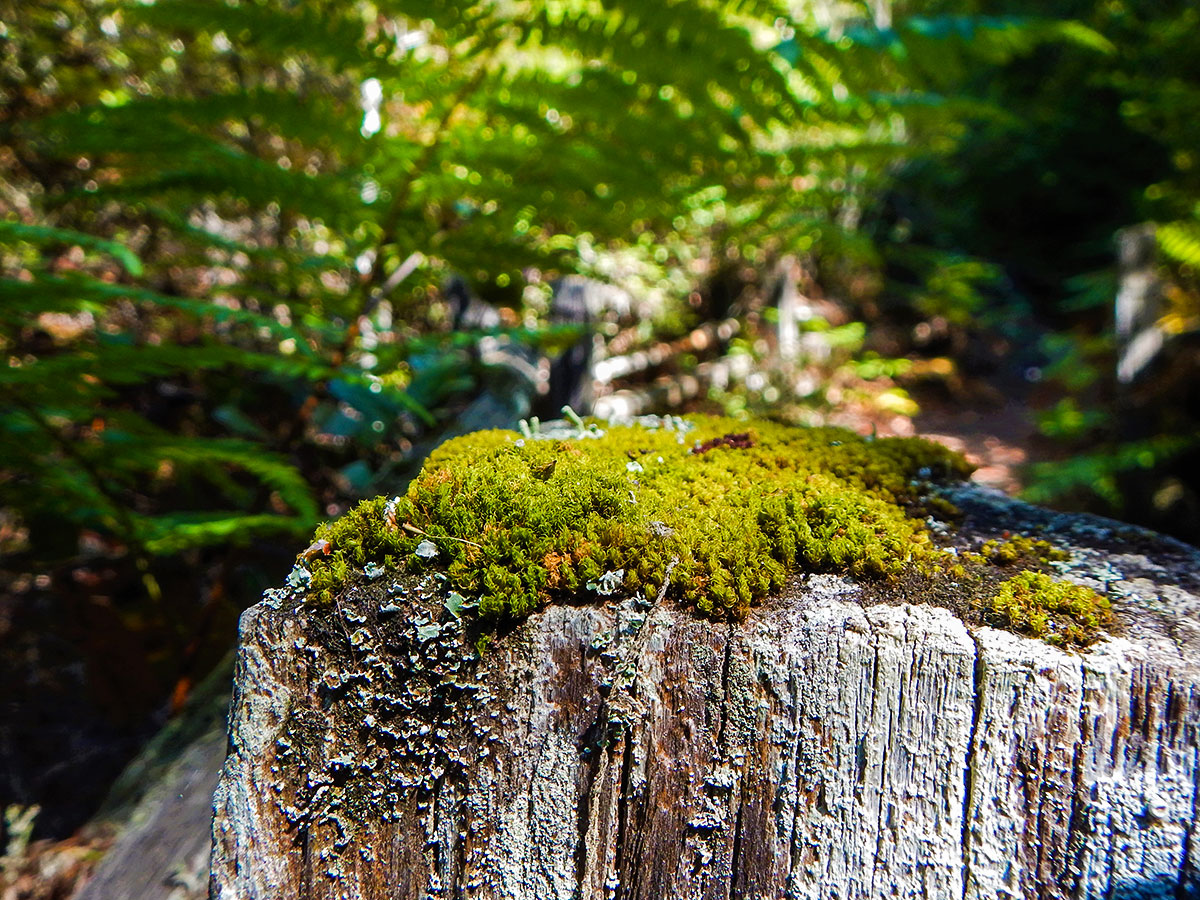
x,y
331,34
76,291
1180,241
43,236
175,532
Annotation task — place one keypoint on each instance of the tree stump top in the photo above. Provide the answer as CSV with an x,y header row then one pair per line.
x,y
838,740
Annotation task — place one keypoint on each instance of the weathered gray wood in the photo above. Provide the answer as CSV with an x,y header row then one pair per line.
x,y
163,853
630,749
161,809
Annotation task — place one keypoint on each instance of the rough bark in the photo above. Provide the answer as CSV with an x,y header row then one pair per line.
x,y
630,749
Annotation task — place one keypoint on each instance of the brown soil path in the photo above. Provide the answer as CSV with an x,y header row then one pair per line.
x,y
999,440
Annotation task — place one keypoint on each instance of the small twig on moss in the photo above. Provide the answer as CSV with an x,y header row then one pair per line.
x,y
662,591
415,530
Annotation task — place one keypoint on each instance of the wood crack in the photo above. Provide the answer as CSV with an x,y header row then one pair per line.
x,y
977,687
1189,881
736,852
1076,846
722,748
797,851
883,760
594,752
725,691
623,813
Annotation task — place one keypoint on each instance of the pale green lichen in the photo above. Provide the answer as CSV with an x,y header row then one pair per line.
x,y
729,509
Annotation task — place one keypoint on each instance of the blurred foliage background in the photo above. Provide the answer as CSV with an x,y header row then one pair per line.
x,y
256,257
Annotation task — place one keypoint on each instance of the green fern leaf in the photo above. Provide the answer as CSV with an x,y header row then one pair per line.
x,y
43,235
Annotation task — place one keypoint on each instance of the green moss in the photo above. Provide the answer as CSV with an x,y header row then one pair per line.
x,y
729,510
1019,549
1058,612
519,523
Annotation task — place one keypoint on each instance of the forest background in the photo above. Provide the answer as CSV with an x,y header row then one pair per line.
x,y
236,240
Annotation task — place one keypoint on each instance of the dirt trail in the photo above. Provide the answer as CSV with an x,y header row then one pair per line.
x,y
998,440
